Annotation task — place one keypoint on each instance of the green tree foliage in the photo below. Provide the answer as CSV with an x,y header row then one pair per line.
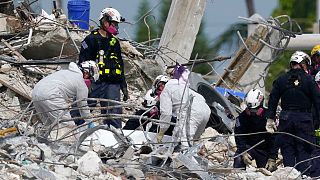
x,y
142,30
301,11
304,12
164,10
279,66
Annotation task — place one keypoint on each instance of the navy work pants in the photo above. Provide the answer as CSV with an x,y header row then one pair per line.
x,y
292,149
315,164
259,155
107,91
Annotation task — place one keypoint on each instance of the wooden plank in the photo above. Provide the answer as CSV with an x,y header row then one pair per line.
x,y
21,58
17,86
243,59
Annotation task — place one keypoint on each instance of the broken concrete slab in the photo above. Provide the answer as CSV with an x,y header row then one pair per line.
x,y
5,68
54,43
134,173
289,173
16,85
90,164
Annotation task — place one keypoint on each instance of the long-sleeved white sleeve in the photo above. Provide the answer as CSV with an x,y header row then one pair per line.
x,y
82,93
165,108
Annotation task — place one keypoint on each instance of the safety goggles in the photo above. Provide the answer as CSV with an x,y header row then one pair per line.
x,y
114,24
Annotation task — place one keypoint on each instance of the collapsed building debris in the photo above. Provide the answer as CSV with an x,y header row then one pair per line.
x,y
46,45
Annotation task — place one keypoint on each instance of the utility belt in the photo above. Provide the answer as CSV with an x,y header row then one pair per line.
x,y
112,72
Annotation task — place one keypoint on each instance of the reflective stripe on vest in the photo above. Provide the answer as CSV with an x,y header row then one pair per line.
x,y
118,71
107,71
113,41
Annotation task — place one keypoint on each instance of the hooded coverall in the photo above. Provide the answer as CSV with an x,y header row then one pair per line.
x,y
51,94
298,93
175,102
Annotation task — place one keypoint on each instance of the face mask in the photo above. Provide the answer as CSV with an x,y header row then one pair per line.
x,y
88,82
254,112
112,30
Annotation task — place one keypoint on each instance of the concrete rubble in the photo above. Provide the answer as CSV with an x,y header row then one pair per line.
x,y
24,156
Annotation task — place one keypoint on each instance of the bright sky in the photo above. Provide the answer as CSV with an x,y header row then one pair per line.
x,y
219,14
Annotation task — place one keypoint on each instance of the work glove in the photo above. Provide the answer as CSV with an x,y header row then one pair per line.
x,y
271,165
247,159
271,126
160,136
125,94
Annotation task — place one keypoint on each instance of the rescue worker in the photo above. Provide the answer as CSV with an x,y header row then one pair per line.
x,y
298,93
315,60
175,100
51,94
103,47
151,99
158,85
251,120
90,72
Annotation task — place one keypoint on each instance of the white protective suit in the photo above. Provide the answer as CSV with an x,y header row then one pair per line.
x,y
51,94
171,103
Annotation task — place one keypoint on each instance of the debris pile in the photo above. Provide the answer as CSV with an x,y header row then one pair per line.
x,y
34,47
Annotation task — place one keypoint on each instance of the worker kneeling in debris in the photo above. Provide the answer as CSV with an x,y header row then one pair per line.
x,y
151,100
253,120
51,94
190,108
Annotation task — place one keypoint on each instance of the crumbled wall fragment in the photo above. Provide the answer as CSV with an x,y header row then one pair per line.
x,y
89,164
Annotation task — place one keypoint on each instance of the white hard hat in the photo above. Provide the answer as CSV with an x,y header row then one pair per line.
x,y
254,98
149,99
111,13
317,77
92,68
300,56
160,78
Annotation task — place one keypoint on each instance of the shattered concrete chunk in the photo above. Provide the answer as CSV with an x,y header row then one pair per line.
x,y
289,173
46,150
46,174
89,164
130,50
209,132
135,173
5,68
66,171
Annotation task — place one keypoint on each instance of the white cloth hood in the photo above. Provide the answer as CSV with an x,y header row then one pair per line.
x,y
74,67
